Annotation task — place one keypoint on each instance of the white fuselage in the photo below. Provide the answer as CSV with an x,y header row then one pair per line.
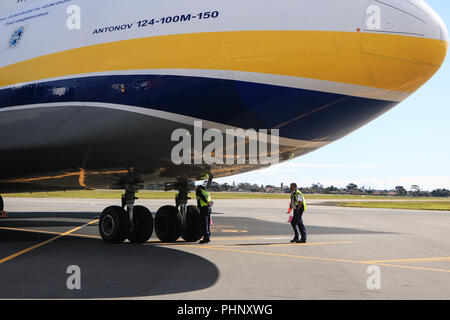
x,y
82,77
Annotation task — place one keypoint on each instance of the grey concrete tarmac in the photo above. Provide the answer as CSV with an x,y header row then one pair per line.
x,y
250,256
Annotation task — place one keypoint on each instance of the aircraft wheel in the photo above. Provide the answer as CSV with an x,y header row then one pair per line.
x,y
114,224
168,224
143,225
193,230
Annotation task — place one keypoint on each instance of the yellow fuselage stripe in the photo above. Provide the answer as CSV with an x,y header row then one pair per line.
x,y
390,62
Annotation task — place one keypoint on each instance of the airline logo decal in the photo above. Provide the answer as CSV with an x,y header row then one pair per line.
x,y
15,37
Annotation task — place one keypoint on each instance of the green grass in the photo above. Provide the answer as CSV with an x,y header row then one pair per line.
x,y
341,200
411,205
358,197
115,194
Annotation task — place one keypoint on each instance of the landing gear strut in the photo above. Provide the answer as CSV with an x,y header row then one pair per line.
x,y
131,222
135,223
171,222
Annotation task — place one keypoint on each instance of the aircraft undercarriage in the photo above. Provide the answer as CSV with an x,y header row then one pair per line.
x,y
136,223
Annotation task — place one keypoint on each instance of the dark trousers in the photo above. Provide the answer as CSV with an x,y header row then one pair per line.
x,y
297,224
206,218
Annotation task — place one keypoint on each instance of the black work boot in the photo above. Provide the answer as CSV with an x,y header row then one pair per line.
x,y
205,241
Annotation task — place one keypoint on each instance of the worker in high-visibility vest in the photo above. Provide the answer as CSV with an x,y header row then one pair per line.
x,y
298,205
204,203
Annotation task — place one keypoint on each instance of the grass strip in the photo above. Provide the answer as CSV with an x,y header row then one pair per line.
x,y
409,205
115,194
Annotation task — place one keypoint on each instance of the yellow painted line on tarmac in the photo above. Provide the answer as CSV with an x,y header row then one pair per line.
x,y
221,227
84,236
50,232
232,231
272,254
239,238
261,244
282,244
15,255
409,260
233,238
317,258
30,230
385,263
410,267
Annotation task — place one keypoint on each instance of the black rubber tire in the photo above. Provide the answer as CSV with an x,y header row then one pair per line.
x,y
114,224
168,224
143,225
193,230
1,204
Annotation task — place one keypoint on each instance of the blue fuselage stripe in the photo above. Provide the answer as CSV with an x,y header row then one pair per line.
x,y
299,114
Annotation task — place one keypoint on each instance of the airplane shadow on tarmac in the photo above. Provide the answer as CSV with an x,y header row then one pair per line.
x,y
107,271
41,219
243,226
112,271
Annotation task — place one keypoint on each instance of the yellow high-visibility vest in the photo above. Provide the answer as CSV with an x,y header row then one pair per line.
x,y
294,199
207,196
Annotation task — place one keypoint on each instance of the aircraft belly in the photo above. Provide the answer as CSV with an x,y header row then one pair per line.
x,y
91,132
99,147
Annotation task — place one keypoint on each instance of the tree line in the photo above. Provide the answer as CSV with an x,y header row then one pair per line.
x,y
350,189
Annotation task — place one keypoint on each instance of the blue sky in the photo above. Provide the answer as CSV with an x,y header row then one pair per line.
x,y
408,145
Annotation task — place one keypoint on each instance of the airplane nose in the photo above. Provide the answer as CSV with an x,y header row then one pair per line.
x,y
412,41
433,26
407,17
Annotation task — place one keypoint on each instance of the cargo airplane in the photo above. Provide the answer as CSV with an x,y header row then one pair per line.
x,y
91,91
